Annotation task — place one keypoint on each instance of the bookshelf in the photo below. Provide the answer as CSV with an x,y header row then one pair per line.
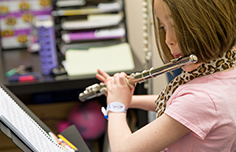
x,y
91,24
11,58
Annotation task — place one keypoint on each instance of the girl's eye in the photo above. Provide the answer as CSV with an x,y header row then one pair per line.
x,y
163,27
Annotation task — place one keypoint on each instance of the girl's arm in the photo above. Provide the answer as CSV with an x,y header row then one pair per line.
x,y
144,102
153,137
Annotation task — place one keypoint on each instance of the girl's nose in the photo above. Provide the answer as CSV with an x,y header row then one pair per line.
x,y
170,38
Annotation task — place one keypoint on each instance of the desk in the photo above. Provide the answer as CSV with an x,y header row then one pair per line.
x,y
13,58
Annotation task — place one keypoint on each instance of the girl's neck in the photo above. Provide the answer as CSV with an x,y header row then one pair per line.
x,y
191,67
234,48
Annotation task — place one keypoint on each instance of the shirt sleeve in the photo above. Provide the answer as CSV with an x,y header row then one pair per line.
x,y
193,108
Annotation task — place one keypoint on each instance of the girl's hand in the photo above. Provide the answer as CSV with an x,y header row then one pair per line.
x,y
102,76
118,89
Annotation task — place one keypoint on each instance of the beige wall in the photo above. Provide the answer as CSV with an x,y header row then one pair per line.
x,y
135,32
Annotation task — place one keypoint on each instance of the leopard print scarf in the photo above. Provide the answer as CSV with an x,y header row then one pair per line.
x,y
227,61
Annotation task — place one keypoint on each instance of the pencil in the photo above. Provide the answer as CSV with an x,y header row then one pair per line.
x,y
66,141
54,138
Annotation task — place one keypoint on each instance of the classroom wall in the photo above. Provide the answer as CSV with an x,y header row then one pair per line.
x,y
135,31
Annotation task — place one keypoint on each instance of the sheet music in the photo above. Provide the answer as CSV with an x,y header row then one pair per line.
x,y
25,127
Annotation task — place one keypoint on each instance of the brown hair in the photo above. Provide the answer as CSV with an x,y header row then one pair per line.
x,y
206,28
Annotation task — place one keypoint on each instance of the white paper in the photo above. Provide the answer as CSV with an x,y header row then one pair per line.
x,y
25,127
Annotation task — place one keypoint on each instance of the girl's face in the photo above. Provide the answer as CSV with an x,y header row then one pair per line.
x,y
163,15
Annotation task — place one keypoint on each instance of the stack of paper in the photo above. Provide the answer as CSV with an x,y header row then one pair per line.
x,y
93,21
115,58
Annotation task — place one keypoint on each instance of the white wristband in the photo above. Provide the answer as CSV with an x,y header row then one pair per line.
x,y
114,107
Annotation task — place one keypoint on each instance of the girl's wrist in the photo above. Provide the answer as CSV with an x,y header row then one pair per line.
x,y
116,107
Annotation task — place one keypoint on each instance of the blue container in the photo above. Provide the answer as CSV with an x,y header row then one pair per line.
x,y
46,39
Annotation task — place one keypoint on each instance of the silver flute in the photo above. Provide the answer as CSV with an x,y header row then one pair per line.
x,y
97,90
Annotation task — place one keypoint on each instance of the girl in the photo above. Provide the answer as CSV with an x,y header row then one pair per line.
x,y
197,109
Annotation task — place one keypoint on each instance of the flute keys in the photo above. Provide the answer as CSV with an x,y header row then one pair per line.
x,y
103,90
94,90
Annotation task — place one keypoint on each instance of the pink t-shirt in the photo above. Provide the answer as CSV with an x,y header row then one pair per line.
x,y
207,106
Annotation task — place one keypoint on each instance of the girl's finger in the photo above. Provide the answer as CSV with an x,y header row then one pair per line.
x,y
122,78
116,78
125,75
104,74
99,77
